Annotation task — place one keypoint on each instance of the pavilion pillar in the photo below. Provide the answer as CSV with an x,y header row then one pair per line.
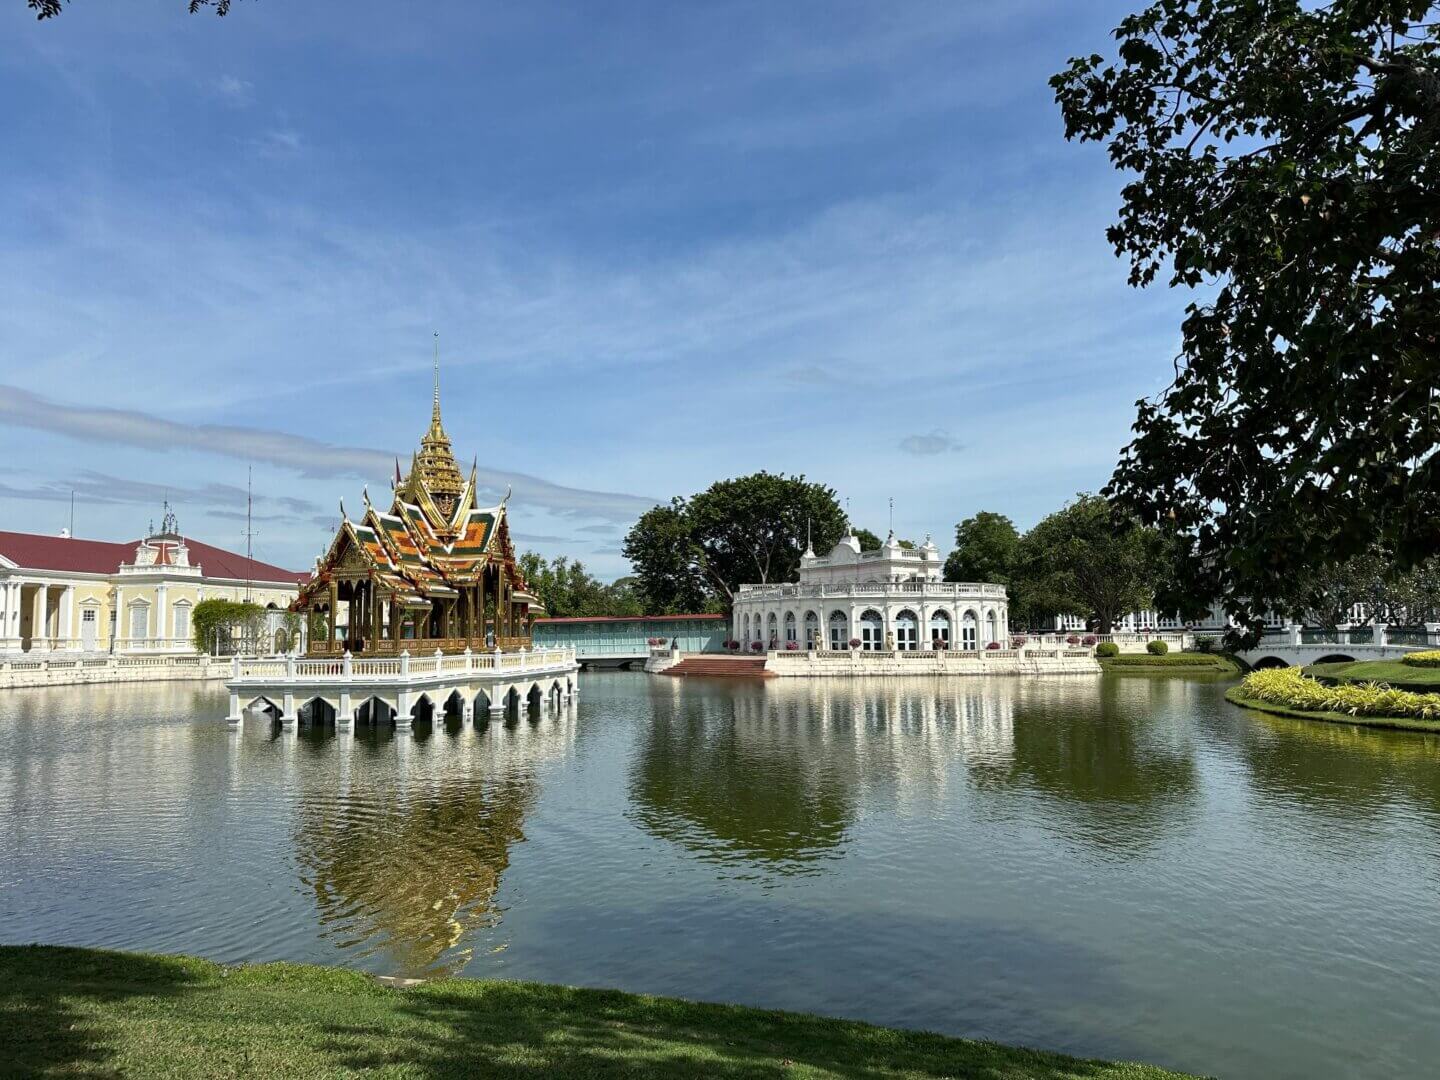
x,y
480,604
334,620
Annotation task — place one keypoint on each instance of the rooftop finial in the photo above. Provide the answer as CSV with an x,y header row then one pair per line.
x,y
436,413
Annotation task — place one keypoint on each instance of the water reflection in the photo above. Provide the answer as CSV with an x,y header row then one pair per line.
x,y
770,775
1113,758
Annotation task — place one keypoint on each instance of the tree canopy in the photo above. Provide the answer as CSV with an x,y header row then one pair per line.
x,y
568,590
696,552
47,9
1284,160
1090,559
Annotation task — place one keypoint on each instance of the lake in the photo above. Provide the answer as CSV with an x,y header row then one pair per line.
x,y
1123,867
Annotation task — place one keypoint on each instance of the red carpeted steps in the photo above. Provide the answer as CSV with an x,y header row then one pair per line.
x,y
752,667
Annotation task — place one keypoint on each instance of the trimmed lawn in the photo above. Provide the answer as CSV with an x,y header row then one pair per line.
x,y
1393,672
1398,723
1187,661
86,1012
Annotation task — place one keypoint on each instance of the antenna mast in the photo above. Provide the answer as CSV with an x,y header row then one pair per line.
x,y
249,533
72,513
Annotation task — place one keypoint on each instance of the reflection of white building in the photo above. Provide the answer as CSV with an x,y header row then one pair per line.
x,y
893,598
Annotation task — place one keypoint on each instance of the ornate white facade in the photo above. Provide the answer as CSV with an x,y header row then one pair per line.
x,y
893,598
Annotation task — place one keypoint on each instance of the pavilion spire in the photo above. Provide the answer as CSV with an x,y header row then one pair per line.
x,y
435,415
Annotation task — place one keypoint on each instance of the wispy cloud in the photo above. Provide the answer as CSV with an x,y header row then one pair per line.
x,y
234,90
936,442
278,143
306,456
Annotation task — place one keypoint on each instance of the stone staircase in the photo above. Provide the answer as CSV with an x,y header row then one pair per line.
x,y
751,667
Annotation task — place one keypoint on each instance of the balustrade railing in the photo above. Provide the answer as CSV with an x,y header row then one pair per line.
x,y
938,589
414,646
312,669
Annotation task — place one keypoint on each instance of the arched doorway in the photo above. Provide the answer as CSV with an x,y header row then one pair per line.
x,y
872,631
772,631
812,631
992,627
968,628
839,631
790,638
940,630
907,631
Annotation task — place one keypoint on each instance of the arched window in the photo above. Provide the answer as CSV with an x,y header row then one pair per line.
x,y
992,628
790,628
872,631
940,630
968,626
812,631
771,629
907,631
839,630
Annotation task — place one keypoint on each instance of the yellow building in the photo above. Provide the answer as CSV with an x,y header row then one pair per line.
x,y
60,594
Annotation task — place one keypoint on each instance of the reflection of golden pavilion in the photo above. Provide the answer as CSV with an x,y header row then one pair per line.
x,y
435,572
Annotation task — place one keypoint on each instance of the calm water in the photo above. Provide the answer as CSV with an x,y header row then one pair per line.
x,y
1126,867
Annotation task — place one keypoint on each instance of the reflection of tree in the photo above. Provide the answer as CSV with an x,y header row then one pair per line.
x,y
414,875
1334,770
729,790
1105,752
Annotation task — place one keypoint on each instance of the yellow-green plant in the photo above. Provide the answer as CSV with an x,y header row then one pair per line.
x,y
1430,658
1291,688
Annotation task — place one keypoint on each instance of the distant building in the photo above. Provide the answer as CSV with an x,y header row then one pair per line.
x,y
892,598
60,594
621,640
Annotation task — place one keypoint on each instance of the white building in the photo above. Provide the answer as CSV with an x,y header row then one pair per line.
x,y
893,598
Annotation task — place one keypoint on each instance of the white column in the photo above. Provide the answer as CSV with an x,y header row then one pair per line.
x,y
119,635
40,620
67,617
6,606
162,615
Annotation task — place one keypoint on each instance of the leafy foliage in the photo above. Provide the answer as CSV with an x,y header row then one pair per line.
x,y
1290,687
568,590
47,9
1157,648
1107,649
1089,559
1430,658
869,541
226,623
1285,156
696,552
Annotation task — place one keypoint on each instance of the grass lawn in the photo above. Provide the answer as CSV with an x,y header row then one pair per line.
x,y
1398,723
84,1012
1401,676
1185,661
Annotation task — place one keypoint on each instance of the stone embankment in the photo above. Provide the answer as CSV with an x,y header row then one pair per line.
x,y
30,670
825,663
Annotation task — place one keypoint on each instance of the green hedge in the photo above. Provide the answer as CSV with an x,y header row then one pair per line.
x,y
1107,649
1157,648
1429,658
1199,661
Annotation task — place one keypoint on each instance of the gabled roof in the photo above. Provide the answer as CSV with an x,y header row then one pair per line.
x,y
33,551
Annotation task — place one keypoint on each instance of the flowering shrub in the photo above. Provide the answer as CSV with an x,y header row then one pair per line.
x,y
1073,639
732,644
1018,642
1157,648
940,644
854,643
1088,641
1290,687
755,646
1429,658
792,646
993,645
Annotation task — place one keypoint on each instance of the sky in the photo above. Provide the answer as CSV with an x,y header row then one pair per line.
x,y
661,244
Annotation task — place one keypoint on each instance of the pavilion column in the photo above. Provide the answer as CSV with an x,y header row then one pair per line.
x,y
334,620
67,617
162,615
7,610
40,619
374,612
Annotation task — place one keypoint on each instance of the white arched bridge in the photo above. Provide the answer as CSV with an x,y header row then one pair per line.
x,y
1294,647
400,689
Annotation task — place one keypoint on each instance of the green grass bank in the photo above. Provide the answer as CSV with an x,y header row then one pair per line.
x,y
1180,661
1398,723
1391,672
86,1012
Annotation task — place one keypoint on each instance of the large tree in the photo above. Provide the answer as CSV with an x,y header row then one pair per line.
x,y
750,529
567,589
986,549
1284,158
1090,559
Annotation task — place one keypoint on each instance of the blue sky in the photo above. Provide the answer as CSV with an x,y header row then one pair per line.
x,y
662,244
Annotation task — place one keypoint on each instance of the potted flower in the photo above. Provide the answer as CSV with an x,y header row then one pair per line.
x,y
993,645
792,646
732,645
755,646
1073,639
854,643
1089,641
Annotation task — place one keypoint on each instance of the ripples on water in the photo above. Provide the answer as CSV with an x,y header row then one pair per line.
x,y
1127,867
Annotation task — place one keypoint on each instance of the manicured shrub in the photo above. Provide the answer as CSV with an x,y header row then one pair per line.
x,y
1292,688
1207,644
1107,648
1157,648
1429,658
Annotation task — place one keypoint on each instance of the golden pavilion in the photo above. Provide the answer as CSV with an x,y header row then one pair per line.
x,y
434,572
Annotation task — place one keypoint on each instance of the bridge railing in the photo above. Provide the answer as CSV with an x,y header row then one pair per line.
x,y
395,669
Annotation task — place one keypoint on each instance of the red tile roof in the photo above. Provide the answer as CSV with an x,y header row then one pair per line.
x,y
36,552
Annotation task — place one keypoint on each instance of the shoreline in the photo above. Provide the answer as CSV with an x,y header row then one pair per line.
x,y
93,1010
1391,723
